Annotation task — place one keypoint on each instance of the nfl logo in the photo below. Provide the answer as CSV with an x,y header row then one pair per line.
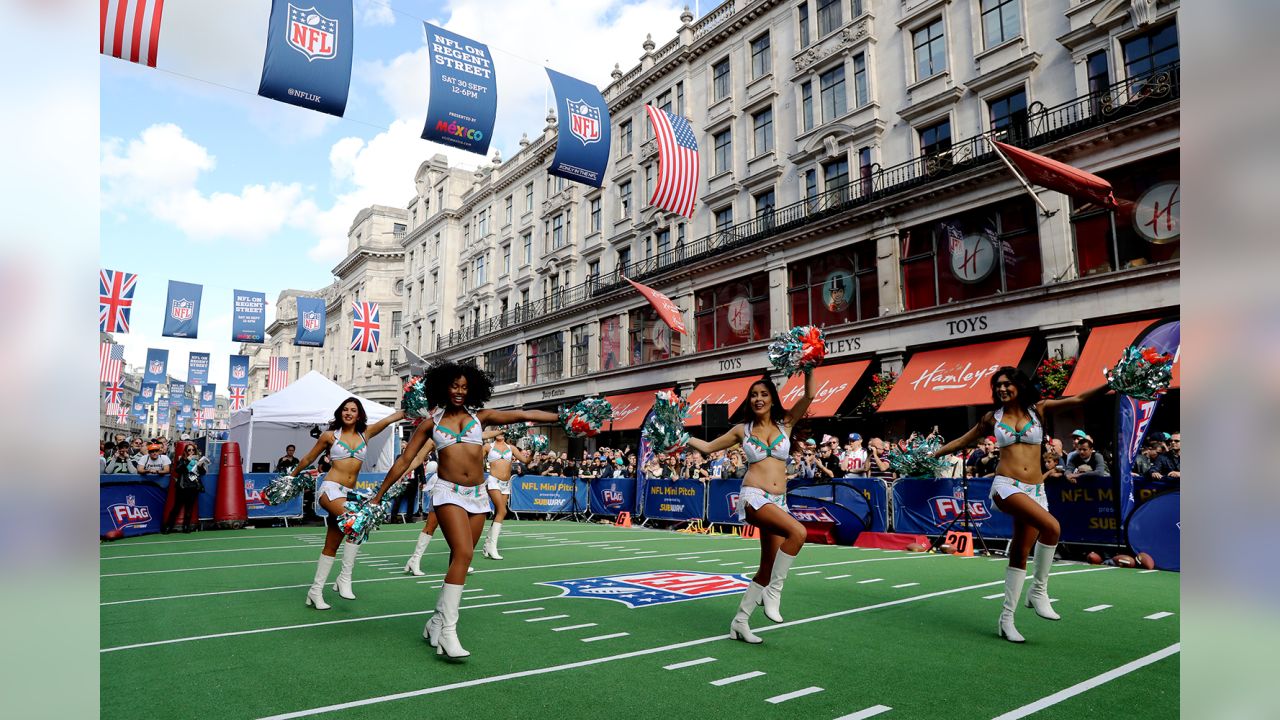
x,y
146,392
310,321
157,367
208,396
182,309
312,34
584,121
130,500
237,372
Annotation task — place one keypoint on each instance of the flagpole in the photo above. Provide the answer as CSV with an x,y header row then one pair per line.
x,y
1027,186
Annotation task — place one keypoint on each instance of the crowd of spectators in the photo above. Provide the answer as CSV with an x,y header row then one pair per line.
x,y
135,456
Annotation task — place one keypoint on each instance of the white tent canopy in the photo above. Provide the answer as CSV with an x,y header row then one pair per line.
x,y
285,418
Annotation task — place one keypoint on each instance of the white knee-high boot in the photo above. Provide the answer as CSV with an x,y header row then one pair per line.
x,y
739,629
1038,594
415,559
343,582
1013,579
490,549
315,596
773,594
447,639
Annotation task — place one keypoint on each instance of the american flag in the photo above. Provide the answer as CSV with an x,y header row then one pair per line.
x,y
110,360
677,186
365,326
114,394
115,300
237,398
277,373
130,29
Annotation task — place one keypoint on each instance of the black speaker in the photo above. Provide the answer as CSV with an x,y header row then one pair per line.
x,y
715,418
260,467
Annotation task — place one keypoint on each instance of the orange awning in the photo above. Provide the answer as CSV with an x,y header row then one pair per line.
x,y
729,392
954,376
832,383
1101,351
630,409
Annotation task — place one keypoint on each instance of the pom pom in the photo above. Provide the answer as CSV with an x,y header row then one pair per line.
x,y
516,432
415,398
664,428
586,418
1141,373
362,517
917,459
287,487
539,443
397,489
801,349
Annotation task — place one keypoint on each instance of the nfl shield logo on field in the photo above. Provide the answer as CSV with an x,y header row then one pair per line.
x,y
156,367
312,34
310,321
659,587
182,309
584,121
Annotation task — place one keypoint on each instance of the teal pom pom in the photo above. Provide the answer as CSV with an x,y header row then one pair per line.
x,y
917,460
586,418
664,428
286,487
1141,373
362,517
801,349
515,432
539,443
415,398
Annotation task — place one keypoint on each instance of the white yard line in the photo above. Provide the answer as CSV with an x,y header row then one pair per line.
x,y
864,714
1090,684
605,637
793,695
1158,616
870,580
1097,608
548,617
737,678
905,585
838,577
688,663
573,627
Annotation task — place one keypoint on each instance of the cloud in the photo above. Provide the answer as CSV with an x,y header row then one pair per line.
x,y
152,165
374,12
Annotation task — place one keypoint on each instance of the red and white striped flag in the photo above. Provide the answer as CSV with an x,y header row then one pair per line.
x,y
277,373
130,29
110,362
677,187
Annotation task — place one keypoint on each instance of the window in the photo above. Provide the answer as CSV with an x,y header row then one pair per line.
x,y
557,231
463,277
435,248
935,138
664,101
466,235
856,7
664,240
764,203
527,238
761,62
1010,113
834,102
860,91
1098,69
579,344
593,271
648,180
806,105
480,275
435,287
720,79
930,50
507,212
439,199
680,98
528,197
395,326
431,339
500,364
762,125
624,200
724,218
506,259
836,287
545,359
1150,51
804,24
1145,234
594,222
1000,21
624,260
828,16
723,143
811,188
650,339
835,175
624,138
610,343
524,296
397,229
864,169
733,313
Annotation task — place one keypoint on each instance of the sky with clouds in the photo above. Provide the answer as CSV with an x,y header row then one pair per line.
x,y
203,181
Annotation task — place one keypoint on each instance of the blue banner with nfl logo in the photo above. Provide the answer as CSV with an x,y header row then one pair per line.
x,y
182,310
197,368
308,59
147,394
610,496
310,332
238,375
582,144
208,396
157,364
248,316
464,92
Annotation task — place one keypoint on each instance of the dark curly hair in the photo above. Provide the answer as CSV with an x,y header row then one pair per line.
x,y
438,379
777,413
362,418
1028,393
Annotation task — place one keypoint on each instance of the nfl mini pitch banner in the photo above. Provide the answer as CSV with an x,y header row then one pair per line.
x,y
239,372
157,363
311,319
182,310
248,316
464,92
308,58
198,368
582,145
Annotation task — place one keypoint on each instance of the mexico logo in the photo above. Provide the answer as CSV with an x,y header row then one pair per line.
x,y
129,513
312,34
182,309
584,121
653,588
310,321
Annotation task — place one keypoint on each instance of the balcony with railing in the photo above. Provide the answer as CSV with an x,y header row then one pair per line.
x,y
1044,125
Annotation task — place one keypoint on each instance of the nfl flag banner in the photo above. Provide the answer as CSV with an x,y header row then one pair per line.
x,y
677,186
208,396
182,310
139,413
308,58
147,394
277,373
115,300
464,92
248,316
238,376
157,364
1136,415
582,145
198,368
311,319
365,327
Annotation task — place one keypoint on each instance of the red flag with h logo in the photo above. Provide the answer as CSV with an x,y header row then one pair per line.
x,y
667,310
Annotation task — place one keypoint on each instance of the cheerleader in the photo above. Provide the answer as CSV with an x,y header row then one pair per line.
x,y
1018,486
413,566
456,393
498,483
346,442
764,430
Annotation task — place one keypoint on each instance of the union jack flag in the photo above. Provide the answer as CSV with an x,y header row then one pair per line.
x,y
277,373
677,187
115,300
114,394
121,412
237,398
365,326
110,362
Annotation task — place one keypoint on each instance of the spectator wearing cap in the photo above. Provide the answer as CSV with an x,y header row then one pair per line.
x,y
154,463
983,461
1085,461
1076,436
853,459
